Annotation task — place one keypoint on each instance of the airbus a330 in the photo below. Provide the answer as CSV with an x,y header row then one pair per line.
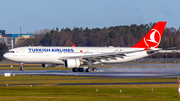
x,y
76,57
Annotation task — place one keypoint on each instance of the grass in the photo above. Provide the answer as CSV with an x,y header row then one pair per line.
x,y
88,93
46,88
38,79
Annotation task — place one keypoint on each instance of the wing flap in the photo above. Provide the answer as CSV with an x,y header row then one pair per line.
x,y
98,57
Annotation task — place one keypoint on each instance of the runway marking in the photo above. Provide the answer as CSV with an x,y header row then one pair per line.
x,y
119,83
95,84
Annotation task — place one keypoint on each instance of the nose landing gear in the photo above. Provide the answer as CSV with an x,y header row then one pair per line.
x,y
22,67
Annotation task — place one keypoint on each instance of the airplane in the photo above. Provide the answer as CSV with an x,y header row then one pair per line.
x,y
76,57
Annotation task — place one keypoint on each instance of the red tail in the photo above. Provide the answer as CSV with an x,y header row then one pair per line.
x,y
74,45
153,37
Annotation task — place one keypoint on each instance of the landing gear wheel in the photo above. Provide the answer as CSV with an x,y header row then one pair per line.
x,y
22,69
91,69
75,69
94,69
88,70
80,69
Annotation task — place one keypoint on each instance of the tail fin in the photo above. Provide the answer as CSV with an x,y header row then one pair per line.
x,y
74,45
153,37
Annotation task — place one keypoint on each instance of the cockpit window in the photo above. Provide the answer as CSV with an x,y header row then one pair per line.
x,y
10,51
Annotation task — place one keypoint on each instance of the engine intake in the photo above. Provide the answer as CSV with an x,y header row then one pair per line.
x,y
72,63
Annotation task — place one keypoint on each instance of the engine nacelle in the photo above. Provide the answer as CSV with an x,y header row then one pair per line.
x,y
72,63
48,65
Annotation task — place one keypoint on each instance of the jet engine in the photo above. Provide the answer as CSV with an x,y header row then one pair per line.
x,y
48,65
72,63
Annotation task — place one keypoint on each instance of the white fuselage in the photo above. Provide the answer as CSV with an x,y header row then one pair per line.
x,y
55,54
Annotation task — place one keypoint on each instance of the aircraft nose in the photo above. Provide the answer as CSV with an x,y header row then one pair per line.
x,y
5,55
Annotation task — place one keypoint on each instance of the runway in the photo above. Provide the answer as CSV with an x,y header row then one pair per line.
x,y
125,70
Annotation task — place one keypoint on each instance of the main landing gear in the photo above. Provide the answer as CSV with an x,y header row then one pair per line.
x,y
22,67
90,69
86,69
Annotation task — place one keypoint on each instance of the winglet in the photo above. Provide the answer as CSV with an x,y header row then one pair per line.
x,y
153,37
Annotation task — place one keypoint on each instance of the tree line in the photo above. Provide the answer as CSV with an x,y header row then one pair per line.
x,y
123,36
3,49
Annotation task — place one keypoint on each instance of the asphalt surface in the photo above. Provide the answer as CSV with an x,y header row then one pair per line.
x,y
110,74
124,70
95,84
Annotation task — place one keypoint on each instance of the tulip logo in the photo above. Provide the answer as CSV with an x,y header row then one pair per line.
x,y
154,39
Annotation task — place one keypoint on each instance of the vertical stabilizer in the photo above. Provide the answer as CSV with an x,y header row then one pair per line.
x,y
153,37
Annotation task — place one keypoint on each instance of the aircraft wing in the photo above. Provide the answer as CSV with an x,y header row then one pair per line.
x,y
98,57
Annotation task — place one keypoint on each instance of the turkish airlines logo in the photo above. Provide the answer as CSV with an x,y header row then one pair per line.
x,y
154,38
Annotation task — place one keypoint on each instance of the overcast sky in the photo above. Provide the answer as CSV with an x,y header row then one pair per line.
x,y
49,14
